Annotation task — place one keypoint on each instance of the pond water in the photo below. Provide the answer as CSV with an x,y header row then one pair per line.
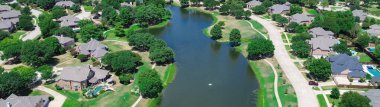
x,y
209,74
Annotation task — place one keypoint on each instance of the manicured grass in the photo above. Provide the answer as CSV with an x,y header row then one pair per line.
x,y
18,34
364,58
88,8
154,102
113,47
37,93
258,26
266,97
169,74
374,10
312,11
321,100
266,16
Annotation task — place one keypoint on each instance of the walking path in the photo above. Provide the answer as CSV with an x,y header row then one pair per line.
x,y
325,97
59,99
305,95
36,32
274,70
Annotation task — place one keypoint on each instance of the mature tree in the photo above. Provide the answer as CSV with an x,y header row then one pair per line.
x,y
3,34
235,37
151,15
282,20
354,99
355,30
294,9
45,4
1,70
75,8
149,83
267,3
368,22
210,4
125,78
13,83
238,14
122,61
119,30
260,9
26,11
324,3
58,12
26,73
337,22
51,46
65,31
126,16
109,16
310,3
320,69
342,48
377,51
47,25
184,3
85,22
260,48
141,41
354,4
301,37
335,94
91,31
25,22
363,40
11,48
276,16
224,9
32,53
157,44
301,49
216,32
46,71
162,55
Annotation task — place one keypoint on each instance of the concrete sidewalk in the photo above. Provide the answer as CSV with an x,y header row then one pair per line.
x,y
59,99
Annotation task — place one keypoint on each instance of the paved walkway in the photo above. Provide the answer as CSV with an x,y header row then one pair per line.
x,y
59,99
273,68
305,95
36,32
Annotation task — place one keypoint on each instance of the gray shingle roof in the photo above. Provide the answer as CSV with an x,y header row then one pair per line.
x,y
254,3
64,40
10,14
359,13
374,30
323,42
83,73
5,8
318,31
94,48
342,62
376,79
279,8
6,24
374,96
24,101
68,21
65,3
299,18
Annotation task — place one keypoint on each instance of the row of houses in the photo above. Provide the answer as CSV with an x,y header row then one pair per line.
x,y
25,101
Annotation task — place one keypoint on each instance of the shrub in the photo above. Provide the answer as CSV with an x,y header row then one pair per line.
x,y
82,57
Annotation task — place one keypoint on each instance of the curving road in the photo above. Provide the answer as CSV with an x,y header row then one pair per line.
x,y
305,95
36,32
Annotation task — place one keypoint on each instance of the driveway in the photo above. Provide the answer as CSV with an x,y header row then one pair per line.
x,y
59,99
36,32
305,95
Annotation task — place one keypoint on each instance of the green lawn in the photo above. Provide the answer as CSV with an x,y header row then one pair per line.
x,y
321,100
88,8
37,93
312,11
169,74
258,26
18,34
266,16
333,101
374,10
364,58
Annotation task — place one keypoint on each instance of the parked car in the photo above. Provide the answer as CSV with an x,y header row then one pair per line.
x,y
313,83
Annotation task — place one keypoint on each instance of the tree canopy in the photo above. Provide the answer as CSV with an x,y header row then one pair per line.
x,y
47,25
354,99
149,83
363,40
162,55
320,69
216,32
122,61
260,48
58,12
294,9
337,22
151,15
235,37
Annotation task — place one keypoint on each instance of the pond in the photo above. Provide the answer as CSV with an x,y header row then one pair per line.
x,y
209,74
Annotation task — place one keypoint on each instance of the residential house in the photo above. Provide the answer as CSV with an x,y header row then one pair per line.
x,y
93,48
69,21
12,15
344,65
301,18
279,8
360,14
25,101
322,42
66,42
374,96
80,77
374,30
4,8
7,25
253,3
65,4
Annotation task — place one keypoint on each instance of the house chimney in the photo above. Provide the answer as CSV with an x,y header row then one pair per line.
x,y
9,104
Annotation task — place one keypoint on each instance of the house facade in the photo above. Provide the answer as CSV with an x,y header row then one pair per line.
x,y
321,42
69,21
279,8
301,19
79,78
66,42
347,66
253,3
93,48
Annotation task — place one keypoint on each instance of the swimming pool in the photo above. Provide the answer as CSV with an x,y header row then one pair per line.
x,y
374,72
372,49
98,89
